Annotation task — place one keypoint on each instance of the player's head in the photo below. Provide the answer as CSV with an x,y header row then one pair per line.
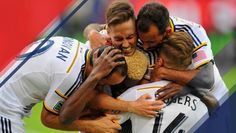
x,y
176,51
153,24
120,20
117,75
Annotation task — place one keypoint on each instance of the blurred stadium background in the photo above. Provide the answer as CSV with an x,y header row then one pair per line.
x,y
218,17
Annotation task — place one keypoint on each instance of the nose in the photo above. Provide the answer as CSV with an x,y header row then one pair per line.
x,y
125,44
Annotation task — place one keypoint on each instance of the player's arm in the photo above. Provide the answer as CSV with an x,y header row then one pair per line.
x,y
186,81
202,77
203,73
88,31
75,104
104,124
95,37
141,106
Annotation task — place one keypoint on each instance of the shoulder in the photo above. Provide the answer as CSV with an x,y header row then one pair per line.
x,y
181,21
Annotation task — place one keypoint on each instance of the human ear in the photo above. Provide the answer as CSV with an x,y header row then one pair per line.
x,y
159,62
168,30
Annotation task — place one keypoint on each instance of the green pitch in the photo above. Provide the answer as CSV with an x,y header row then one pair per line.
x,y
34,125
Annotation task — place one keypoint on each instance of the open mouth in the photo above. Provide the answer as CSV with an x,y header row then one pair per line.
x,y
128,51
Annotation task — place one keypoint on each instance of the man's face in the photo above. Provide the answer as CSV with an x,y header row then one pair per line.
x,y
113,79
123,36
152,38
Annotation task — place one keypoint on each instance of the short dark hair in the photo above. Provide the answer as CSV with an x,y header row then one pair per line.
x,y
118,12
153,13
122,69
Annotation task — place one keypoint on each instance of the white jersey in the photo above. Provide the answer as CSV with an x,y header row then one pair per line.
x,y
51,74
185,114
202,53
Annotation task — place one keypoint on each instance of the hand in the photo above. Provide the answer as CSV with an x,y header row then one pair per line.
x,y
144,107
158,73
104,64
168,91
96,39
106,124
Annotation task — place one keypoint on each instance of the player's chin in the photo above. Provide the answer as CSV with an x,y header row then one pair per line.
x,y
128,51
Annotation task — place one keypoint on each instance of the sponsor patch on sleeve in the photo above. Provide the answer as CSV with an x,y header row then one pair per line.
x,y
58,106
199,56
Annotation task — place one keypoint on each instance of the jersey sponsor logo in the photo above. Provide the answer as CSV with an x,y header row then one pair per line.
x,y
58,106
65,49
186,101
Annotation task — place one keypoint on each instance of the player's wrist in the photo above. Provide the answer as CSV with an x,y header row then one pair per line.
x,y
86,125
95,77
165,73
130,106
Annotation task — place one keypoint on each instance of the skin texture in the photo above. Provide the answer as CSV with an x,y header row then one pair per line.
x,y
123,36
99,125
152,38
97,40
142,106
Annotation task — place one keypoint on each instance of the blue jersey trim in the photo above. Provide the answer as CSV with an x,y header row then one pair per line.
x,y
39,51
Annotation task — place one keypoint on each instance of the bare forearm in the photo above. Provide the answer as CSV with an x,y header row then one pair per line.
x,y
197,78
107,102
90,27
77,125
72,107
180,77
52,121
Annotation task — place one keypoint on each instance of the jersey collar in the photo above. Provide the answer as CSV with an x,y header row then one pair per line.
x,y
172,25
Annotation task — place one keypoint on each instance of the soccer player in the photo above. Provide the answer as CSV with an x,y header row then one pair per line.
x,y
120,28
200,76
154,24
53,73
61,69
183,114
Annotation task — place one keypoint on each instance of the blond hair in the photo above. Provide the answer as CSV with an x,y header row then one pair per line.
x,y
177,49
118,12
